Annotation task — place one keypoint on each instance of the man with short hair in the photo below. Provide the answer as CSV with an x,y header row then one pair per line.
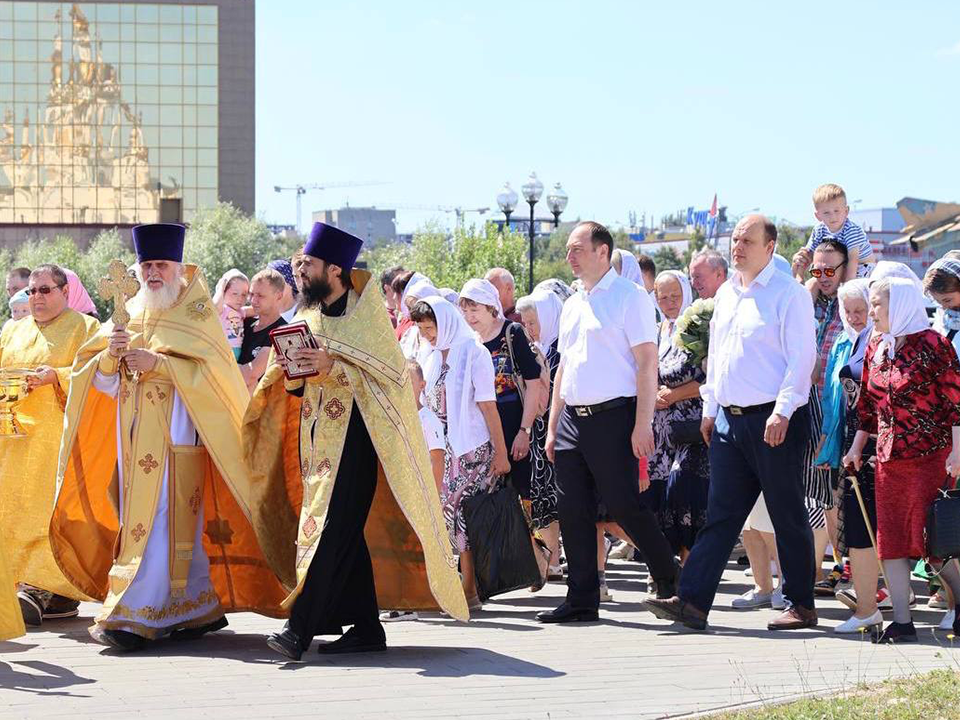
x,y
506,286
756,422
267,289
155,512
46,342
708,271
601,421
648,269
390,298
17,279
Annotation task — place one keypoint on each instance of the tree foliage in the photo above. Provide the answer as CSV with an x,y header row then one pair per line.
x,y
667,258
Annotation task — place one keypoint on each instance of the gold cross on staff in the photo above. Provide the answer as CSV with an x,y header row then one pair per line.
x,y
118,287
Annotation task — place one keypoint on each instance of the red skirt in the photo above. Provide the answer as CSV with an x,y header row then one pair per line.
x,y
905,490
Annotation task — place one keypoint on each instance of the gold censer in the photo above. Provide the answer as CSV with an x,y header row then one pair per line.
x,y
13,388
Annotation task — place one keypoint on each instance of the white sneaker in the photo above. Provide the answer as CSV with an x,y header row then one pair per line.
x,y
623,551
752,599
855,624
398,616
605,595
937,601
947,622
776,600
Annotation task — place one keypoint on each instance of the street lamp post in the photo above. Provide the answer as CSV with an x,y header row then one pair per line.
x,y
557,202
532,190
507,200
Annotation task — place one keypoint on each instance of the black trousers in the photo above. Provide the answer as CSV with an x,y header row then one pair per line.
x,y
595,460
741,466
339,588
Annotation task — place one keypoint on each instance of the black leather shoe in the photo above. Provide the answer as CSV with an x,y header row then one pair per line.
x,y
567,614
287,644
119,639
897,633
198,632
352,641
679,611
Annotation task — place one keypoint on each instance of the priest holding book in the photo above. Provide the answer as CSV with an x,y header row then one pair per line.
x,y
333,431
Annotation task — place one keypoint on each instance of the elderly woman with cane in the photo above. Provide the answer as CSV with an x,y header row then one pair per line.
x,y
909,397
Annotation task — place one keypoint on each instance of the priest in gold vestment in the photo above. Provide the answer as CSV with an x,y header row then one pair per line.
x,y
45,342
154,517
361,514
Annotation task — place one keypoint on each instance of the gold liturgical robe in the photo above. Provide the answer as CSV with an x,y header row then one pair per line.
x,y
11,620
99,531
413,563
28,473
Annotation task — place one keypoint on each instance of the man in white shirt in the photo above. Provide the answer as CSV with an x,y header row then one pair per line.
x,y
755,419
601,421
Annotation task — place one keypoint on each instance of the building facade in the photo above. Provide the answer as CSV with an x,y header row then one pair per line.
x,y
118,113
370,224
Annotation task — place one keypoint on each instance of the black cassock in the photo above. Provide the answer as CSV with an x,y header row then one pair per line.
x,y
339,588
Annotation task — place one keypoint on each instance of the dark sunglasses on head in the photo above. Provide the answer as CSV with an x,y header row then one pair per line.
x,y
829,272
45,290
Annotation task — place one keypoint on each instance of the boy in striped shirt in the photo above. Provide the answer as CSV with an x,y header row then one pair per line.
x,y
831,209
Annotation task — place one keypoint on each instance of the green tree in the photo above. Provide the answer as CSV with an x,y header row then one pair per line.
x,y
791,238
667,258
222,237
696,243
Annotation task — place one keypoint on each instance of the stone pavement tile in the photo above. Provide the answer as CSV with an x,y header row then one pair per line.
x,y
501,665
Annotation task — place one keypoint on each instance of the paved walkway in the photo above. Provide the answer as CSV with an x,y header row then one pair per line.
x,y
502,665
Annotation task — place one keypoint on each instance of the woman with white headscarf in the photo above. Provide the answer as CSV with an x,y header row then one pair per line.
x,y
540,315
942,284
909,397
679,468
839,427
627,266
460,392
513,359
411,287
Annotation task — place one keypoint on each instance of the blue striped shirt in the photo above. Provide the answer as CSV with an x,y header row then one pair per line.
x,y
852,236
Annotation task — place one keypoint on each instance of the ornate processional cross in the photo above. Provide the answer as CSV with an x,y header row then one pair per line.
x,y
118,286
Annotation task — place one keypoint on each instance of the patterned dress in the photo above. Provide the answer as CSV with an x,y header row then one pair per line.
x,y
683,471
464,476
543,486
911,402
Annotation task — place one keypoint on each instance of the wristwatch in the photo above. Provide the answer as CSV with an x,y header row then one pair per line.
x,y
527,430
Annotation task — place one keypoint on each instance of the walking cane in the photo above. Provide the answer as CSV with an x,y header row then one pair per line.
x,y
852,477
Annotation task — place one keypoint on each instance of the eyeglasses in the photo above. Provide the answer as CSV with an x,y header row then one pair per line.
x,y
43,290
829,272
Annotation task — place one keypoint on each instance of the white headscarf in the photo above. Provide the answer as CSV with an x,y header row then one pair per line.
x,y
557,287
464,431
891,269
224,282
907,313
629,267
449,294
687,300
851,289
549,306
419,288
483,292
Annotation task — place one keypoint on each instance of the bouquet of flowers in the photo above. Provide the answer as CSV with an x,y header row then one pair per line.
x,y
692,332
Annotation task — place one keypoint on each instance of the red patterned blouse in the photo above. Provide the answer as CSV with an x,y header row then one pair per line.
x,y
913,401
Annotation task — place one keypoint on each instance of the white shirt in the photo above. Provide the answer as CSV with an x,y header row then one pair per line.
x,y
432,429
291,313
598,330
763,344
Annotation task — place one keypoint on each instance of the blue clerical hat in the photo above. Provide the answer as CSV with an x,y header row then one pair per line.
x,y
333,245
159,241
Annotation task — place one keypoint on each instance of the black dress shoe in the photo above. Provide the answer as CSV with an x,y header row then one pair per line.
x,y
896,633
198,632
287,644
353,641
568,614
679,611
119,639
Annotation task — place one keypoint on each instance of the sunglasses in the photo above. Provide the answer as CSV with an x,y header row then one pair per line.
x,y
826,272
44,290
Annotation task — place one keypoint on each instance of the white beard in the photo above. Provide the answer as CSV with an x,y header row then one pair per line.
x,y
155,300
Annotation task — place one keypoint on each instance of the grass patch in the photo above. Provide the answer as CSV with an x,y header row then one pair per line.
x,y
934,696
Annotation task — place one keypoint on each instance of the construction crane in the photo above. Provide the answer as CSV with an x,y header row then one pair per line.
x,y
460,212
302,190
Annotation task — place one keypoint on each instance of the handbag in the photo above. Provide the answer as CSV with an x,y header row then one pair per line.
x,y
684,432
943,525
501,542
521,383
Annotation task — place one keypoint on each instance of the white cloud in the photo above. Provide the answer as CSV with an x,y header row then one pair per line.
x,y
952,50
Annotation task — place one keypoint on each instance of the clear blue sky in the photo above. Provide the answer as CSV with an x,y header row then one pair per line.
x,y
644,106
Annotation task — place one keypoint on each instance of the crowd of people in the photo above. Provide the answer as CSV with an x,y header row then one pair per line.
x,y
822,421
